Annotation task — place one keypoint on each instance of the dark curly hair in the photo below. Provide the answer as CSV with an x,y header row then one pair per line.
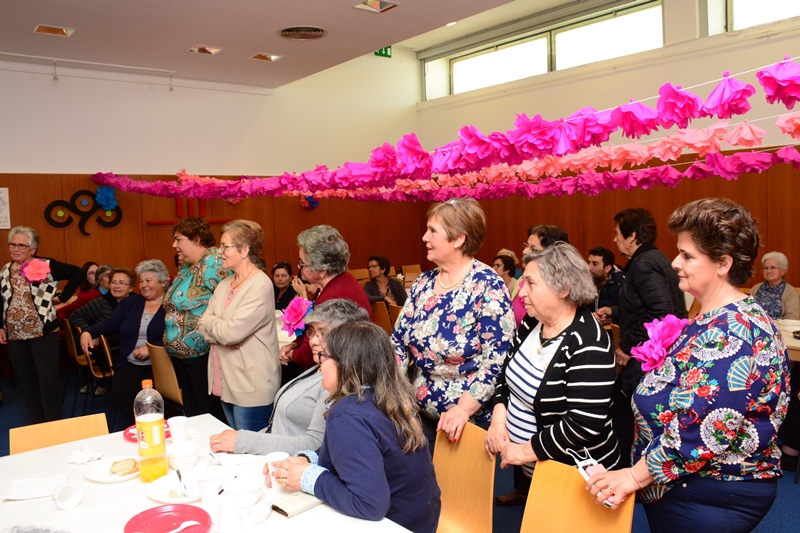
x,y
719,227
637,219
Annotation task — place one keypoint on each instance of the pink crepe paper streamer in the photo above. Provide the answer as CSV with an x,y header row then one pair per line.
x,y
676,106
745,134
789,124
636,119
781,82
729,98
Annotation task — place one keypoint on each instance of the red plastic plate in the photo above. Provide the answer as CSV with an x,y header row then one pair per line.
x,y
168,517
130,433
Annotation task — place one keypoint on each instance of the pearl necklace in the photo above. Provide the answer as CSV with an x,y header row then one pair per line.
x,y
448,287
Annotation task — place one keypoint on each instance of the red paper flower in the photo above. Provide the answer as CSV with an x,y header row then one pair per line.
x,y
729,98
781,81
663,334
35,270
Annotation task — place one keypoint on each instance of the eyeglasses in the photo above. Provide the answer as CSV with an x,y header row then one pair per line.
x,y
301,265
526,246
17,246
498,265
766,269
119,283
223,247
322,356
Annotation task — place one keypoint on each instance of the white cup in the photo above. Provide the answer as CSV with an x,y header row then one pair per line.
x,y
177,428
274,457
208,482
230,521
68,496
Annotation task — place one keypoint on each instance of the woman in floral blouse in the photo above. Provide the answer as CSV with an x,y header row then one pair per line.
x,y
709,409
457,324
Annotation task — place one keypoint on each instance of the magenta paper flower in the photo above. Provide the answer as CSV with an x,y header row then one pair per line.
x,y
755,162
592,128
294,314
745,134
35,270
567,134
414,159
532,137
781,81
635,119
729,98
384,164
723,167
676,106
663,334
476,148
787,154
789,124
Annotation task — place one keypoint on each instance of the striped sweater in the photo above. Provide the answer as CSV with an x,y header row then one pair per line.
x,y
573,401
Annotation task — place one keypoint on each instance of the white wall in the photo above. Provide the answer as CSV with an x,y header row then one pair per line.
x,y
87,124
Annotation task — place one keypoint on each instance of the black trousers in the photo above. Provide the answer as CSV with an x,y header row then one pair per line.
x,y
193,378
35,363
126,385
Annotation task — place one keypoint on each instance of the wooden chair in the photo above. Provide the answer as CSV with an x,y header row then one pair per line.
x,y
80,361
380,316
164,379
615,334
37,436
466,477
394,313
411,269
559,501
392,272
694,309
359,273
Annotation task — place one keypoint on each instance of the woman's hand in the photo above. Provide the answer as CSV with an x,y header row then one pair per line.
x,y
612,488
140,353
621,357
292,468
518,454
223,442
452,422
299,287
286,353
497,436
3,338
86,342
390,299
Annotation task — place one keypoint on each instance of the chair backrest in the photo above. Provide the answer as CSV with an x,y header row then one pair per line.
x,y
164,378
381,317
411,269
359,273
37,436
72,348
105,352
394,313
392,272
694,309
559,501
615,334
465,474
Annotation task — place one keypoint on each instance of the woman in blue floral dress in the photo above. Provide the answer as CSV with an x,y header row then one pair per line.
x,y
708,412
457,324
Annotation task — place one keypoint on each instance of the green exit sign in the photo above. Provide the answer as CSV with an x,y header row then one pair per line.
x,y
384,52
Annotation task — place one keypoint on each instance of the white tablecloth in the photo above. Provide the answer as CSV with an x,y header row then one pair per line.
x,y
107,507
787,327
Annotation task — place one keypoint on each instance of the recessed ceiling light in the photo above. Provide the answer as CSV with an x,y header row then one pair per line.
x,y
376,6
208,50
303,33
266,57
53,30
451,24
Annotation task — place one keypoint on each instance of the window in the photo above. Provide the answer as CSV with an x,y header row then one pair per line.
x,y
748,13
511,62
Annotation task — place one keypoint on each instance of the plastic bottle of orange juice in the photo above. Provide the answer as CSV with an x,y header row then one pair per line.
x,y
148,408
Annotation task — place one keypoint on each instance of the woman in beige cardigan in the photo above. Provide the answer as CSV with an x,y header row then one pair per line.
x,y
244,369
779,299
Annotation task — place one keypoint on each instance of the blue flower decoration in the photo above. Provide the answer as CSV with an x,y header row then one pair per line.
x,y
106,198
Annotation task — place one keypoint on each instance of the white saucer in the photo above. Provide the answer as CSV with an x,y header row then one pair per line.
x,y
100,471
159,489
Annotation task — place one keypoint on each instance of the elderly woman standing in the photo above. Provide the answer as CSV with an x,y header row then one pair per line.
x,y
323,260
298,419
28,287
555,390
380,287
457,325
708,411
779,299
137,319
186,300
243,369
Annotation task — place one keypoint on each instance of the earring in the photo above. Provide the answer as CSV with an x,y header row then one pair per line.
x,y
455,246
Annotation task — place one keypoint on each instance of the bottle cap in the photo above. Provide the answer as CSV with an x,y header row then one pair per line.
x,y
147,383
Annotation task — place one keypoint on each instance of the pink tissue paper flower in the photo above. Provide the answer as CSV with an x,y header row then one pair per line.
x,y
781,81
789,124
663,334
745,134
294,314
729,98
35,270
636,119
676,106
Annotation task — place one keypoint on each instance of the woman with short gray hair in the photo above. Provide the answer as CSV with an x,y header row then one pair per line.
x,y
554,392
323,259
779,299
138,319
298,418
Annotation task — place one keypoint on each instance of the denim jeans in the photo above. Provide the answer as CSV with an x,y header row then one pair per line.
x,y
250,418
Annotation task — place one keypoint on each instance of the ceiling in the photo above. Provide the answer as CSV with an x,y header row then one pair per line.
x,y
156,34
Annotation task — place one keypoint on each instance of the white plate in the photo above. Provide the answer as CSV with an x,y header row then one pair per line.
x,y
258,512
100,471
159,489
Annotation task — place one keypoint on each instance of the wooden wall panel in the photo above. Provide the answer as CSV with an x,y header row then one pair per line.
x,y
782,219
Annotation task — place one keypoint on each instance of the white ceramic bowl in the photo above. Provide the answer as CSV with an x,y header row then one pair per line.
x,y
182,455
245,489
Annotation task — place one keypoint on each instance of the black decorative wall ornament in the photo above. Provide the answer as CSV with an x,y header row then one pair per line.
x,y
83,204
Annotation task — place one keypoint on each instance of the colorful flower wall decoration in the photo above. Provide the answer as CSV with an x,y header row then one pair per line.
x,y
84,204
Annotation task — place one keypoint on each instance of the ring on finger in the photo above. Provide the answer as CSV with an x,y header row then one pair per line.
x,y
607,504
282,481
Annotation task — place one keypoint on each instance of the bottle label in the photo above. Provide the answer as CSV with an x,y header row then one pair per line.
x,y
150,435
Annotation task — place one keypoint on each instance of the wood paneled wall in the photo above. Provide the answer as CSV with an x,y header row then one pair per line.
x,y
394,230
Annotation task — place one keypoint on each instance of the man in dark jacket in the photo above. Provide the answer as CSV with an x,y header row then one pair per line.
x,y
649,291
607,278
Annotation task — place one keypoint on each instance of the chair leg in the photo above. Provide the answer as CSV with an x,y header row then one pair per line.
x,y
797,472
75,394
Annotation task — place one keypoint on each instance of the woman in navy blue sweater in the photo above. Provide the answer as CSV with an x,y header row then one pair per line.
x,y
374,460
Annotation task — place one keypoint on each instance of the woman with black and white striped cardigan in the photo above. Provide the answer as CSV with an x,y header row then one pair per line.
x,y
554,392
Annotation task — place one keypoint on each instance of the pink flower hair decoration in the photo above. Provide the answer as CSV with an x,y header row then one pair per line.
x,y
663,334
294,314
35,270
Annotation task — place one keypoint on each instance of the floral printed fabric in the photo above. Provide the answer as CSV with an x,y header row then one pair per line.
x,y
714,407
458,340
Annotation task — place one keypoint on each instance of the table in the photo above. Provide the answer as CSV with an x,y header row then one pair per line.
x,y
107,507
792,344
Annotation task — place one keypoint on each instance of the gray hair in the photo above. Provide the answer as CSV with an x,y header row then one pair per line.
x,y
325,249
777,256
30,233
564,270
337,312
156,267
102,270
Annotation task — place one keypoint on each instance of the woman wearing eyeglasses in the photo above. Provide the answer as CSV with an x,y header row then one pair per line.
x,y
239,323
28,287
323,259
282,285
380,287
186,300
779,299
298,419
